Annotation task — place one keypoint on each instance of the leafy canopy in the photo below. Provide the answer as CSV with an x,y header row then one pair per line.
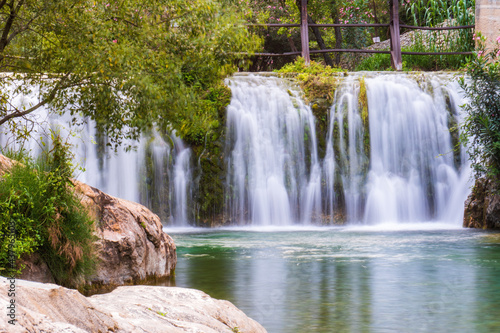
x,y
126,64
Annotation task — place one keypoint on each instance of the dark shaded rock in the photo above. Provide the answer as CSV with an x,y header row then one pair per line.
x,y
35,269
482,207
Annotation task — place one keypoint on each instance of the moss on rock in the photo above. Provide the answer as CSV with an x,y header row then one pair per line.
x,y
210,168
318,83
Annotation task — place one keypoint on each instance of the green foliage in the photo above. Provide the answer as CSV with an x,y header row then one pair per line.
x,y
376,62
322,12
38,209
128,65
433,12
315,68
481,129
382,62
203,124
316,80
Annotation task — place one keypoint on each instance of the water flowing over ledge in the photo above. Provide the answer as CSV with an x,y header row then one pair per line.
x,y
385,156
389,155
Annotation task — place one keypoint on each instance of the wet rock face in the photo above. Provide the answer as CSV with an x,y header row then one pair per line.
x,y
482,207
50,308
132,245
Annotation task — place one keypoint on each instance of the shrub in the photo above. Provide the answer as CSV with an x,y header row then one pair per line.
x,y
481,129
40,213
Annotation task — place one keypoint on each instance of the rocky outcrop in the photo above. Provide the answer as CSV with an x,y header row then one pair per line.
x,y
51,308
132,245
482,207
5,164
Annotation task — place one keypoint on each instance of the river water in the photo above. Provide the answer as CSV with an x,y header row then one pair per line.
x,y
386,278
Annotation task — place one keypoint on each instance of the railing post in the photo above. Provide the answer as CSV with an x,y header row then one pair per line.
x,y
396,59
304,32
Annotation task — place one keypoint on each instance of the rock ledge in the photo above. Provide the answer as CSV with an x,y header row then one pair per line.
x,y
51,308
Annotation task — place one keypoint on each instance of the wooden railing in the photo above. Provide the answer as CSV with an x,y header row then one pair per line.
x,y
395,36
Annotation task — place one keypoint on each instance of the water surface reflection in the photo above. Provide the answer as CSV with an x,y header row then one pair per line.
x,y
349,280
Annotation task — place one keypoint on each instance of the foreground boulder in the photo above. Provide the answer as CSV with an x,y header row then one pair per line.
x,y
51,308
132,245
482,207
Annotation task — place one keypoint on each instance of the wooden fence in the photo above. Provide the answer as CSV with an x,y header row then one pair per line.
x,y
394,28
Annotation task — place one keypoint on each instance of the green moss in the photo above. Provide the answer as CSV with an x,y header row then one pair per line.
x,y
453,128
315,68
211,168
363,107
318,83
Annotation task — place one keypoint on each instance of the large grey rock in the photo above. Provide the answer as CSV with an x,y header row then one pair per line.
x,y
132,245
51,308
482,207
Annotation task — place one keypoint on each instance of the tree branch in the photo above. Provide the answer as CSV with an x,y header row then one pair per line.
x,y
8,25
320,41
52,95
2,4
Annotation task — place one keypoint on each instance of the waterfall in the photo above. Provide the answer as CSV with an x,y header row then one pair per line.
x,y
389,155
405,170
412,175
155,173
274,177
346,160
182,179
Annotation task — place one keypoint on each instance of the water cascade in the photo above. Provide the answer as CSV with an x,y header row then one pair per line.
x,y
155,173
182,180
389,155
412,173
273,169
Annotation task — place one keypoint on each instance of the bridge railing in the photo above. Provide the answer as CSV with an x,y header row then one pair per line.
x,y
395,36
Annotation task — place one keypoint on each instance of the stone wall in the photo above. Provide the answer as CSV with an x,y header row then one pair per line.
x,y
488,20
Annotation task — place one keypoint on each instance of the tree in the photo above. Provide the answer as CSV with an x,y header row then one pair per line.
x,y
126,64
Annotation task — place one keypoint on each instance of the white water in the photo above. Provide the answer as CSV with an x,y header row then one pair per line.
x,y
141,175
412,175
276,176
406,175
268,179
182,181
345,115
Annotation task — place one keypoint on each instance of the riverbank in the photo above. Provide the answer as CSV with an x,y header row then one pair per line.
x,y
51,308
